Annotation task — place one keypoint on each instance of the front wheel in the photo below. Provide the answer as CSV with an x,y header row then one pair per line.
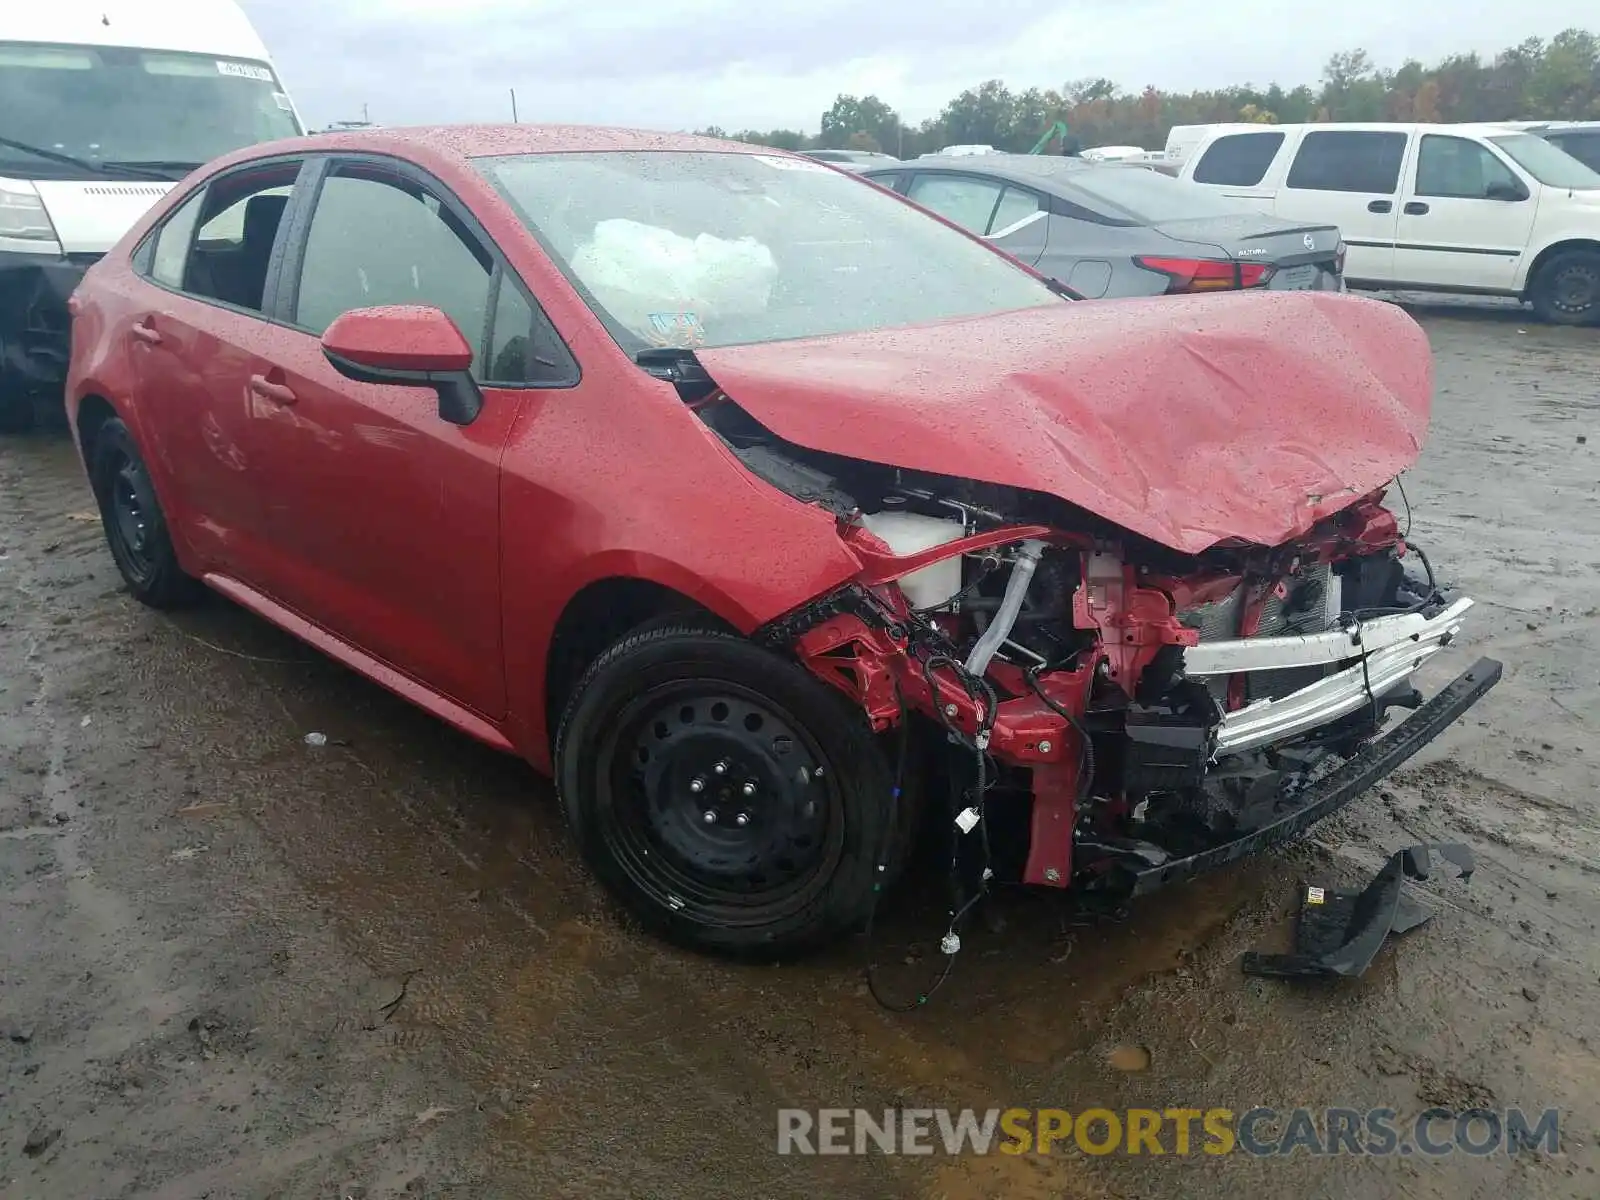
x,y
1567,289
733,802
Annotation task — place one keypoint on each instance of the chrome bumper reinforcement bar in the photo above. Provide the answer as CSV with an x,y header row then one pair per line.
x,y
1393,647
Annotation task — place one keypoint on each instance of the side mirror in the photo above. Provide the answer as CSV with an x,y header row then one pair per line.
x,y
1507,191
408,345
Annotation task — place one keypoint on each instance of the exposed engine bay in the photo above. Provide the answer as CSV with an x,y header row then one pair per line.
x,y
1116,714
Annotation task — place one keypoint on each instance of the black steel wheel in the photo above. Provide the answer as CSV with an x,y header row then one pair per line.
x,y
135,527
732,801
1567,289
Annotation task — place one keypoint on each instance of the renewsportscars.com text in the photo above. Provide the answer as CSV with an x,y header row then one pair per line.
x,y
1262,1132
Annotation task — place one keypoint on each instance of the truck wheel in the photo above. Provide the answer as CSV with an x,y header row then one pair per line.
x,y
16,409
136,528
732,801
1567,289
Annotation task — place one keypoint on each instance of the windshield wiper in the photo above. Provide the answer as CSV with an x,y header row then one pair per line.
x,y
126,170
163,165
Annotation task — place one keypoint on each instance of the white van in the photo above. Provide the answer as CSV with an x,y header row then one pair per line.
x,y
104,104
1474,209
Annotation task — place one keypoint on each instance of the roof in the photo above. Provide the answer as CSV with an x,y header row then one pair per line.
x,y
486,141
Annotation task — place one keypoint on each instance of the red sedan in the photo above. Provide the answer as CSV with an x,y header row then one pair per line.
x,y
767,512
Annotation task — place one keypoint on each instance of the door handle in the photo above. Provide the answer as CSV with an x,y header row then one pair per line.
x,y
1416,208
145,332
1380,206
278,393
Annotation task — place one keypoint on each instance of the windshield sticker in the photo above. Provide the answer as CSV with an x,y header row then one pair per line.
x,y
283,101
792,164
244,71
680,330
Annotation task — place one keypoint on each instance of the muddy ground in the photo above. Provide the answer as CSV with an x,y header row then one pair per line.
x,y
233,965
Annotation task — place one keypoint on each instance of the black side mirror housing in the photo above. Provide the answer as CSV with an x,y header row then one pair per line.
x,y
460,399
1510,192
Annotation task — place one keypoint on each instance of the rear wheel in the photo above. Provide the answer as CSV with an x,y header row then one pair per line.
x,y
136,528
16,409
1567,289
733,802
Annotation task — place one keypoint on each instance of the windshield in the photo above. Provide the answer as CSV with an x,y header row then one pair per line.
x,y
1550,165
1149,196
112,104
718,249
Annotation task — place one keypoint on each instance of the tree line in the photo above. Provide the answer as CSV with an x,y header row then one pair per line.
x,y
1535,80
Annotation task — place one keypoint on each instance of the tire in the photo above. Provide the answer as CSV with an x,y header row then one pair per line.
x,y
636,763
16,409
1567,289
136,528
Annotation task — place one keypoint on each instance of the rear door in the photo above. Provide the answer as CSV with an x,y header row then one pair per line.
x,y
1013,217
211,277
1465,218
1350,178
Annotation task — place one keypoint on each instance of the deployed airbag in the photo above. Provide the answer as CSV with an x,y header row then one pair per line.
x,y
664,287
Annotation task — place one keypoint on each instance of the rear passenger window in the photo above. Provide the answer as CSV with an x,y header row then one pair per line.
x,y
172,243
1343,161
1238,160
1585,147
229,256
1015,205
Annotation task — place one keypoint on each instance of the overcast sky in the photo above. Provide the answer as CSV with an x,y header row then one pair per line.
x,y
679,64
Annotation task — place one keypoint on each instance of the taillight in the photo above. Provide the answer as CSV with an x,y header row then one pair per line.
x,y
1206,274
1338,258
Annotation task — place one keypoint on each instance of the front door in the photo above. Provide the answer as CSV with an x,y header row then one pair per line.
x,y
1465,218
384,518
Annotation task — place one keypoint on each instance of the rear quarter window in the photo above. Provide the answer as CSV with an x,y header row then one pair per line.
x,y
1348,161
1238,159
1585,147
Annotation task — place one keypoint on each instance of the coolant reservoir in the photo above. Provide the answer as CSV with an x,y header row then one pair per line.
x,y
907,533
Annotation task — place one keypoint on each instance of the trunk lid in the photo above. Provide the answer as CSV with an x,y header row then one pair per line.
x,y
1186,420
1305,256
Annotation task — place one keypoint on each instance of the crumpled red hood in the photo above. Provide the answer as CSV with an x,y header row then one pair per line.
x,y
1188,420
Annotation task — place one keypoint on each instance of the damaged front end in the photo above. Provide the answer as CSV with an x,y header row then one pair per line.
x,y
1120,715
35,331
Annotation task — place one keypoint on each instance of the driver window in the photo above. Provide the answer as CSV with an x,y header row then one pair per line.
x,y
1456,168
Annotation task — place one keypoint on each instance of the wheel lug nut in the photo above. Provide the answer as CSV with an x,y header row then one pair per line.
x,y
749,789
710,818
742,820
697,785
721,768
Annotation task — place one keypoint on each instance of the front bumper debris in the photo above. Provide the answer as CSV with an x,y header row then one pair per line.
x,y
1331,793
1393,647
1340,932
